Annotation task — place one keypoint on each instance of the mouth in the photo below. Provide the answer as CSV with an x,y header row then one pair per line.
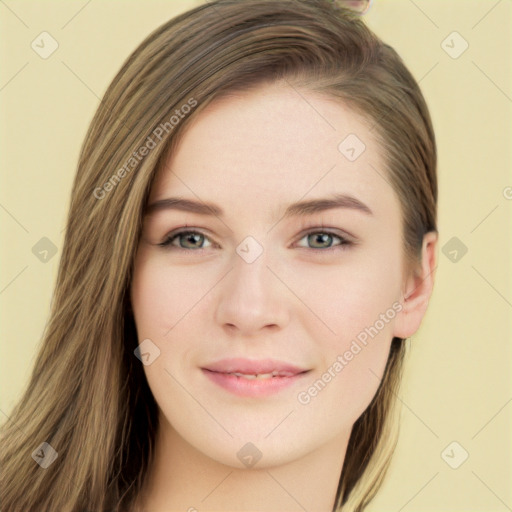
x,y
245,377
259,376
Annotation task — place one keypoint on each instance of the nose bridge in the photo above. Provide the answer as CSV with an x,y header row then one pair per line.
x,y
251,296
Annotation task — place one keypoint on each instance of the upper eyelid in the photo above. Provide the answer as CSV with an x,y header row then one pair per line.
x,y
326,229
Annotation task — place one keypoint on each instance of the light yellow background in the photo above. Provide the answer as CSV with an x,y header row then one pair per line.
x,y
457,384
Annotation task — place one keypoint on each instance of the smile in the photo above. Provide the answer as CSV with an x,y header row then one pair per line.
x,y
246,378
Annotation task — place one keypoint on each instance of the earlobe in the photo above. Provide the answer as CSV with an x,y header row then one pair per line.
x,y
418,290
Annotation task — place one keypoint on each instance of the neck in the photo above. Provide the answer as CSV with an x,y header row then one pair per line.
x,y
185,479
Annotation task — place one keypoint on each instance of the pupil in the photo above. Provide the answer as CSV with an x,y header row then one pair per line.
x,y
193,237
321,238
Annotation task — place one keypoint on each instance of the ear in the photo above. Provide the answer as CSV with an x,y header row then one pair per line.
x,y
418,288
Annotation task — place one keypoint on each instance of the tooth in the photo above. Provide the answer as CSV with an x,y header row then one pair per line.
x,y
250,377
264,376
260,376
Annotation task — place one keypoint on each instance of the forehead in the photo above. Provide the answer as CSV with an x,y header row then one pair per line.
x,y
275,144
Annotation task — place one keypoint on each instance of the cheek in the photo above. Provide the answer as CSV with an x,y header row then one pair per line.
x,y
345,384
359,305
363,367
160,302
351,298
164,302
162,297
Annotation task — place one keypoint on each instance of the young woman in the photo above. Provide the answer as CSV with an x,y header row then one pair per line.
x,y
251,238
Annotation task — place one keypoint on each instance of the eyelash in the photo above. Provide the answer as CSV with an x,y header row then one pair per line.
x,y
343,245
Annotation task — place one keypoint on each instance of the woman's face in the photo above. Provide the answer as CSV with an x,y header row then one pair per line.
x,y
264,285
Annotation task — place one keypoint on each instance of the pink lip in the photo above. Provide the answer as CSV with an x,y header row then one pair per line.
x,y
221,372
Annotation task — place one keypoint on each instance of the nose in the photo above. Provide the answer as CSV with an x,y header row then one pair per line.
x,y
251,298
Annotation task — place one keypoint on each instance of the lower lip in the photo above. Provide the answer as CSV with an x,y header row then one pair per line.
x,y
252,387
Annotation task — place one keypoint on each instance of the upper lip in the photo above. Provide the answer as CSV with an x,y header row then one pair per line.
x,y
254,367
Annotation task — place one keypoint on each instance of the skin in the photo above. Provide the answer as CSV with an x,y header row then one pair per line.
x,y
253,154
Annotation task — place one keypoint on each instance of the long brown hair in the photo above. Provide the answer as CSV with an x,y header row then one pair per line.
x,y
88,397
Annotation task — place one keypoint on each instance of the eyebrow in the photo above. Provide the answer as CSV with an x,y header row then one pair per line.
x,y
301,208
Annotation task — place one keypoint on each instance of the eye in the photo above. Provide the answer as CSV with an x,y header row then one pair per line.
x,y
191,240
194,240
322,240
